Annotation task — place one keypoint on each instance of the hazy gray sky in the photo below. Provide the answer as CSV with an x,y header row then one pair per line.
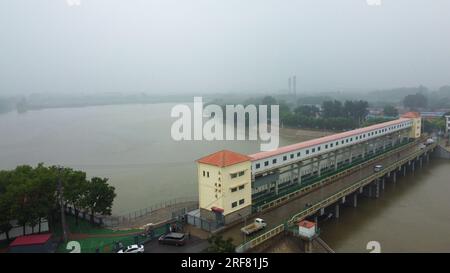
x,y
166,46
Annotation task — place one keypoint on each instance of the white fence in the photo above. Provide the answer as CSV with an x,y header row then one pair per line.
x,y
17,230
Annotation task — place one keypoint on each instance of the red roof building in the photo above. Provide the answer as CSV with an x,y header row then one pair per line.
x,y
411,115
224,158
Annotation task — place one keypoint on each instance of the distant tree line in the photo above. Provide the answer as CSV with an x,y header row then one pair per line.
x,y
333,115
28,194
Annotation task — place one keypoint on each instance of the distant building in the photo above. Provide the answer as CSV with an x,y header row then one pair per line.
x,y
416,127
432,115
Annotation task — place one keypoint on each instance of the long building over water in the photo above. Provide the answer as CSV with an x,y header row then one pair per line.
x,y
233,185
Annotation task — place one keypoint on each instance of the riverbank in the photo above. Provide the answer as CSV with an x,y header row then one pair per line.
x,y
303,134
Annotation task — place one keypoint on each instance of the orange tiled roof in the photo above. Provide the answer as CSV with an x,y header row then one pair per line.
x,y
411,115
224,158
306,224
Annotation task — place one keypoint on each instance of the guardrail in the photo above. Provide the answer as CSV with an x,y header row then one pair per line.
x,y
301,215
260,239
330,200
130,217
329,179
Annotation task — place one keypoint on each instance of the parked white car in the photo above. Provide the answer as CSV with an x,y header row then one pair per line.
x,y
378,168
132,249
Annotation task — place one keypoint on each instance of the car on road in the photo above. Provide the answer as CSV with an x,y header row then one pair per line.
x,y
132,249
422,146
377,168
429,141
173,238
257,225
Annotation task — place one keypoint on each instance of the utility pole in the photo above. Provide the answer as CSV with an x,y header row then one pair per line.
x,y
63,215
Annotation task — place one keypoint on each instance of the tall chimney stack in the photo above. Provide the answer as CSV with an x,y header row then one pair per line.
x,y
289,85
294,85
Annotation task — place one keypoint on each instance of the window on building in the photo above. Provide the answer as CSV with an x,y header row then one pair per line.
x,y
233,175
204,173
258,165
292,155
318,148
298,154
241,187
284,158
241,173
326,146
207,174
234,204
274,161
242,201
307,152
313,150
331,145
266,163
233,189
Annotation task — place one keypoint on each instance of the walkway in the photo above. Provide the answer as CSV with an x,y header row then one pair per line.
x,y
282,213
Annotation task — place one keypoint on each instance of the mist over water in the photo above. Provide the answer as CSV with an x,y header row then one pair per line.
x,y
130,144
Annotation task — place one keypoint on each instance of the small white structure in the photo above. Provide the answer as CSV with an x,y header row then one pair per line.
x,y
307,229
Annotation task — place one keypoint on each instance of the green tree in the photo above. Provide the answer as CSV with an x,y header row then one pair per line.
x,y
332,109
5,214
390,111
415,102
218,245
75,190
307,110
99,197
269,100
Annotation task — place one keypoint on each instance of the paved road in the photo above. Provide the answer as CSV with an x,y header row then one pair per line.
x,y
280,214
193,245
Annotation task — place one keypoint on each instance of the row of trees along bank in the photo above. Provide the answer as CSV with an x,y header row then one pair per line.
x,y
333,115
28,194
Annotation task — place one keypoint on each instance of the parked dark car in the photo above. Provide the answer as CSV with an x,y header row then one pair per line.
x,y
173,238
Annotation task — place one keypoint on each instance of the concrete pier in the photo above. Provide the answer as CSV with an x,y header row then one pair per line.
x,y
336,211
355,200
377,188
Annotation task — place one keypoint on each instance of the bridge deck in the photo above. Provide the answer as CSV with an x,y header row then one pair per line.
x,y
279,215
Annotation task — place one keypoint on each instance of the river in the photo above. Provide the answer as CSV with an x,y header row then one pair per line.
x,y
129,144
132,146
